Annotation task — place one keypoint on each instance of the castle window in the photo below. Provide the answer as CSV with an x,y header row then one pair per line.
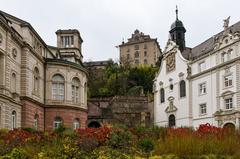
x,y
57,122
162,95
13,83
145,61
229,103
145,46
136,61
36,80
136,47
182,88
136,54
58,87
14,119
76,124
35,122
145,53
75,90
203,109
128,56
228,81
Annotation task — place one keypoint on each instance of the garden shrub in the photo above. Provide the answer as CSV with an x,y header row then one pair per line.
x,y
17,154
146,145
88,144
119,139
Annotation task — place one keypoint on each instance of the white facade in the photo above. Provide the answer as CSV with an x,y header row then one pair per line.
x,y
212,78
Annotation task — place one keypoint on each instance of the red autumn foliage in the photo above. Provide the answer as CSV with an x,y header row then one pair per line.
x,y
100,134
20,137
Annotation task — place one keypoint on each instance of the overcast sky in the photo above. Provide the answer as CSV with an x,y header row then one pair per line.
x,y
104,23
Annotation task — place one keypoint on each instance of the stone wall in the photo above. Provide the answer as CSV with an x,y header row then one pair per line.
x,y
125,110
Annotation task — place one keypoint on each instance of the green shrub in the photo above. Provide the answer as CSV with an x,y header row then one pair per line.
x,y
18,154
119,139
146,145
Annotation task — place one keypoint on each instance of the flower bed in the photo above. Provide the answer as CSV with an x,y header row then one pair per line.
x,y
102,143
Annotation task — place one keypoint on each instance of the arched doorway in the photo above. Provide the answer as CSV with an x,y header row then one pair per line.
x,y
94,124
229,126
171,120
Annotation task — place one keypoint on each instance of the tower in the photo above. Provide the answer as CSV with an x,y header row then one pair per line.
x,y
177,32
69,43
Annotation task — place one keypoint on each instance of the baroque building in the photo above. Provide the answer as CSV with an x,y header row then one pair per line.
x,y
140,49
201,84
41,86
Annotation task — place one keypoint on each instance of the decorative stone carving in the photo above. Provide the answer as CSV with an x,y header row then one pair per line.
x,y
226,23
171,107
170,62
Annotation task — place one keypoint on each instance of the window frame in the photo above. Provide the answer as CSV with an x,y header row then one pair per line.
x,y
162,95
229,82
180,89
201,109
201,90
59,86
228,102
200,67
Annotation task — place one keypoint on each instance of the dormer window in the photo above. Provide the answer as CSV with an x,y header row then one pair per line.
x,y
67,41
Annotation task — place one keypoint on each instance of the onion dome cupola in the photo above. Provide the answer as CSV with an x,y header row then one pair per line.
x,y
177,32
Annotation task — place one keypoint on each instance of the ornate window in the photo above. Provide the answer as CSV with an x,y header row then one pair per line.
x,y
145,53
57,122
76,90
228,103
58,87
14,53
36,80
162,95
35,122
171,121
67,41
14,119
202,88
203,109
13,83
182,88
76,123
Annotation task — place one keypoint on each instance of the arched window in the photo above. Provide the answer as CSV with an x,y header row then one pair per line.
x,y
171,120
36,117
14,119
36,80
57,122
76,123
58,87
75,90
162,95
13,82
182,88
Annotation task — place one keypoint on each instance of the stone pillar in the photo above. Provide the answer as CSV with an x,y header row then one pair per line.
x,y
237,123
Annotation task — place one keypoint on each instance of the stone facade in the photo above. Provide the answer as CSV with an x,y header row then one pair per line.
x,y
38,81
140,49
